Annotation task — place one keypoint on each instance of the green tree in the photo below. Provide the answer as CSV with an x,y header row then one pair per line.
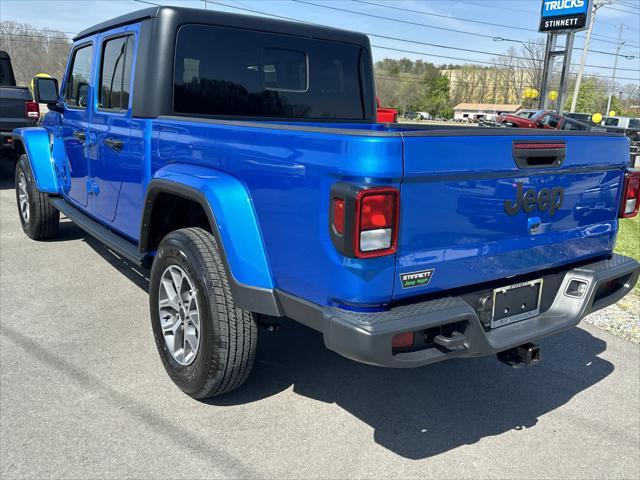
x,y
409,85
592,97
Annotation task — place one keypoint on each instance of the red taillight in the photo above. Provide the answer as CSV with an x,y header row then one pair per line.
x,y
376,222
630,195
402,340
376,211
338,215
31,110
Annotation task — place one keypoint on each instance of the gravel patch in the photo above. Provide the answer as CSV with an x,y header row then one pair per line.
x,y
621,319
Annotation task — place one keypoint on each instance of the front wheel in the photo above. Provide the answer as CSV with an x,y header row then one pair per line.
x,y
207,344
39,219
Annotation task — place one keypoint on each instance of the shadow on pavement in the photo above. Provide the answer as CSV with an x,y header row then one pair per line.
x,y
416,413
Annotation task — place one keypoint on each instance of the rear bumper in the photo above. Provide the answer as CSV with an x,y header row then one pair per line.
x,y
367,337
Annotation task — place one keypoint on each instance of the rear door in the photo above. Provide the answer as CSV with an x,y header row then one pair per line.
x,y
74,127
111,122
470,213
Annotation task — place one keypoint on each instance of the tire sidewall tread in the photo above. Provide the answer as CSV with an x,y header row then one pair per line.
x,y
44,218
227,334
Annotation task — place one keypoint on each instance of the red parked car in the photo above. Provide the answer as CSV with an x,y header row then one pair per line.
x,y
542,119
386,115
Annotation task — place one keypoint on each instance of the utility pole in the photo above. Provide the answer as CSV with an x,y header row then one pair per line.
x,y
615,66
552,51
585,51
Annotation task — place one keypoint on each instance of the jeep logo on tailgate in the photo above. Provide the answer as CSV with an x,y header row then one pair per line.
x,y
546,199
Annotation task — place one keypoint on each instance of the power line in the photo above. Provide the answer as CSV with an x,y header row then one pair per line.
x,y
626,4
620,10
393,38
447,47
42,30
528,12
435,27
395,7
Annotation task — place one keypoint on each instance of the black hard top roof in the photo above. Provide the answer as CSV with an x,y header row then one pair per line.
x,y
181,15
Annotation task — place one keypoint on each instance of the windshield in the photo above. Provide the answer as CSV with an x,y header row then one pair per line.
x,y
525,114
634,123
537,115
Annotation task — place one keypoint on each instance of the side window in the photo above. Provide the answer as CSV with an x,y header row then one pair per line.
x,y
234,72
115,73
77,87
611,122
551,120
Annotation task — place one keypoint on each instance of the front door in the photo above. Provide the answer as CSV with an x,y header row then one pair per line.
x,y
111,123
75,124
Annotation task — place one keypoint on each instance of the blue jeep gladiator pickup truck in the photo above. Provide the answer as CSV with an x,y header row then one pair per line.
x,y
240,160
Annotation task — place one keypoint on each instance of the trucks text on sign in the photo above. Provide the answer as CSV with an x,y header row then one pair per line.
x,y
564,15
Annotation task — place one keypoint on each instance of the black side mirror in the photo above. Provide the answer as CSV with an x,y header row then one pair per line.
x,y
45,90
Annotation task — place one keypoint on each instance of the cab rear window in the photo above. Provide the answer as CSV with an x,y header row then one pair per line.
x,y
223,71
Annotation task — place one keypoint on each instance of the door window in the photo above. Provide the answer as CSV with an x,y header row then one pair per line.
x,y
115,73
550,120
569,125
77,87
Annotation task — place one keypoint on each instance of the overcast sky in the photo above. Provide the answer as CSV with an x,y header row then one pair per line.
x,y
71,16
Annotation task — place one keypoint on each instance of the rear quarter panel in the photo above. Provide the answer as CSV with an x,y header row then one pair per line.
x,y
288,175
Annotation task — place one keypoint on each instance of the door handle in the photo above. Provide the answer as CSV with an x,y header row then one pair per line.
x,y
113,144
80,136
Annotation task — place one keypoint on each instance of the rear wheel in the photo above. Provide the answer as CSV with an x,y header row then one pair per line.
x,y
207,344
39,219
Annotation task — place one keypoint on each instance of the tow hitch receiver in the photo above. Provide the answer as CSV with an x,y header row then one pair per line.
x,y
521,356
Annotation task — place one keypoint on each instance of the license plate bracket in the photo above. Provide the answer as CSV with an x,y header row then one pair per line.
x,y
516,302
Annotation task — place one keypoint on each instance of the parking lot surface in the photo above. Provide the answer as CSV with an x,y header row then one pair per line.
x,y
83,393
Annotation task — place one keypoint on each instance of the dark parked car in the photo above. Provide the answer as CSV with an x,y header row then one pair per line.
x,y
582,117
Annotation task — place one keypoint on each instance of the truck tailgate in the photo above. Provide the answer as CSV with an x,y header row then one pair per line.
x,y
463,221
12,114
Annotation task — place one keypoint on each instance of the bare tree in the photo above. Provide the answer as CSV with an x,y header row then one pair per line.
x,y
34,50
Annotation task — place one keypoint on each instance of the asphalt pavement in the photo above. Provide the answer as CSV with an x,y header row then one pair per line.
x,y
83,393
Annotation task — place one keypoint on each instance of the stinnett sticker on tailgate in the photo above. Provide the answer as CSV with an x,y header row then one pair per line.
x,y
416,279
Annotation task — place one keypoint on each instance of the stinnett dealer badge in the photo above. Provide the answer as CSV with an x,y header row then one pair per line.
x,y
416,279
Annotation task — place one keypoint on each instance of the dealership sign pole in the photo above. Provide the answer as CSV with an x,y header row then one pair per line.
x,y
560,18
